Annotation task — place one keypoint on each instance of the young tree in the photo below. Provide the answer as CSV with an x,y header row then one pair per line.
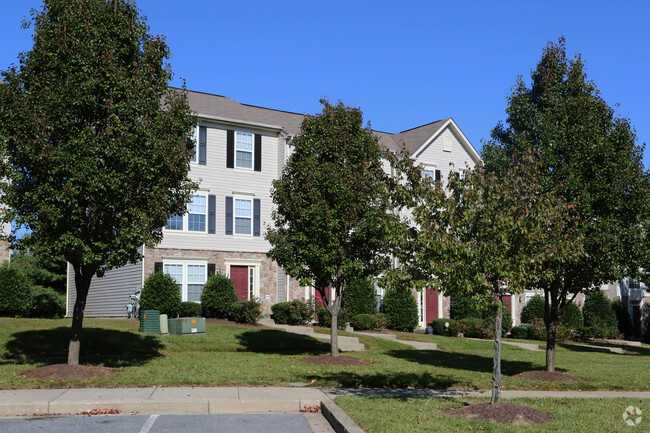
x,y
334,211
97,146
590,157
487,236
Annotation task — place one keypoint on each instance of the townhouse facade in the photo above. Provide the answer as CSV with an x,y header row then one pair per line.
x,y
240,150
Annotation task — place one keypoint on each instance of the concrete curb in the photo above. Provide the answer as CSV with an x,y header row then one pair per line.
x,y
339,420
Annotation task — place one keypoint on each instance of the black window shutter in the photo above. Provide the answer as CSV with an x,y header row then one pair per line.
x,y
256,217
230,149
258,152
228,215
437,175
157,267
212,214
203,140
211,269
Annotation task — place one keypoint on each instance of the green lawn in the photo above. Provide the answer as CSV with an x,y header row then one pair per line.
x,y
230,355
422,414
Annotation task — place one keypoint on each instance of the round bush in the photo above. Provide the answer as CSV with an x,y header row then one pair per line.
x,y
473,327
520,332
218,296
15,296
623,318
359,297
248,312
160,292
293,313
447,327
364,322
190,309
534,309
325,318
46,303
401,308
464,306
598,313
572,317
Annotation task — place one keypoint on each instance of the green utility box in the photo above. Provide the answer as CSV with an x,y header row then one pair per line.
x,y
187,325
150,321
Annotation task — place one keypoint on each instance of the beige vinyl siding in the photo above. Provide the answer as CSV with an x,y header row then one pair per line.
x,y
216,179
108,295
432,154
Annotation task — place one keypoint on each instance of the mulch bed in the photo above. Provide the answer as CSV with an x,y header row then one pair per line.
x,y
65,371
549,376
503,413
335,360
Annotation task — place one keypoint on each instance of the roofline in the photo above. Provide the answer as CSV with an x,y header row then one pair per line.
x,y
463,140
236,122
426,124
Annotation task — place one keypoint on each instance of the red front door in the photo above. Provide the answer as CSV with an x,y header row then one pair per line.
x,y
239,277
432,305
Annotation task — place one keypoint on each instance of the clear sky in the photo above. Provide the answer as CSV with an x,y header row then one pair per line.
x,y
404,63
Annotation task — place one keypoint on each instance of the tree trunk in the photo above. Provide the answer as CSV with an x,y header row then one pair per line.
x,y
82,284
334,308
550,321
496,371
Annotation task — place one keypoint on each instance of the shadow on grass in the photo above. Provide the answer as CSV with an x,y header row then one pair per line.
x,y
361,379
282,343
629,350
463,361
108,347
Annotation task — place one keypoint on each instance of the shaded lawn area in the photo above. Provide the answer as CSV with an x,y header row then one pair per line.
x,y
422,414
229,355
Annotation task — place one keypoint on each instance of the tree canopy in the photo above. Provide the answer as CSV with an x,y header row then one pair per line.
x,y
334,208
590,157
97,146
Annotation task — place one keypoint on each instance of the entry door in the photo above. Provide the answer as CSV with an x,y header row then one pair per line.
x,y
239,277
431,305
636,320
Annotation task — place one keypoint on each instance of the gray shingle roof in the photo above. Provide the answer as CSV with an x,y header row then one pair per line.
x,y
223,107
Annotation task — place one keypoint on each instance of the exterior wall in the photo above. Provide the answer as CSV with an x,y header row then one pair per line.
x,y
433,155
109,295
5,252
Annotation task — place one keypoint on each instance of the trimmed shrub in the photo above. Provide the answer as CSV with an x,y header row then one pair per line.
x,y
46,303
446,327
293,313
15,297
537,330
325,318
363,322
623,318
382,320
600,318
218,296
190,309
246,311
520,332
473,327
401,308
359,297
464,306
160,292
534,309
572,317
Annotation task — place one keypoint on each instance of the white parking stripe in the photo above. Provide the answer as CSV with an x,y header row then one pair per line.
x,y
147,426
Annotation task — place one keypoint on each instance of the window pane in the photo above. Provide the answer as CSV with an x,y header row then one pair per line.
x,y
244,150
198,204
175,222
243,226
196,223
194,292
243,207
430,173
195,274
175,271
244,159
197,214
195,137
244,141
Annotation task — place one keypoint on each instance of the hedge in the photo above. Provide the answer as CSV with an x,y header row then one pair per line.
x,y
190,309
160,292
325,318
401,308
293,313
15,296
218,296
248,312
359,297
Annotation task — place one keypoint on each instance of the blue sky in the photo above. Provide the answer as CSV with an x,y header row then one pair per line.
x,y
405,64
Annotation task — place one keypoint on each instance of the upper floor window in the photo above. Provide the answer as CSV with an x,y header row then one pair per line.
x,y
244,150
634,283
194,220
195,137
243,216
431,172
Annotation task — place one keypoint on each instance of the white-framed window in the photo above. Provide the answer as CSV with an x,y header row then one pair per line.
x,y
195,220
243,216
429,171
244,150
195,137
190,278
634,283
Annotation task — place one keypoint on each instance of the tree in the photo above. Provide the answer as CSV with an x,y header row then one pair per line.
x,y
97,146
334,212
42,270
487,236
590,157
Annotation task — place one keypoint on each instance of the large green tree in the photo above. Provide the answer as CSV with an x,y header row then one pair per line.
x,y
486,236
334,208
96,145
590,157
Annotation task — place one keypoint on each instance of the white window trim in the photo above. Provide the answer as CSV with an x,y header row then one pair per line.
x,y
252,151
234,215
429,167
255,264
195,157
184,263
186,219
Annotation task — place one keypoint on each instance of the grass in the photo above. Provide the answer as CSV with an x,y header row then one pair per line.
x,y
422,414
229,355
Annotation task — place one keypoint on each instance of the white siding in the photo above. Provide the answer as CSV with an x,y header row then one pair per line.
x,y
433,155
